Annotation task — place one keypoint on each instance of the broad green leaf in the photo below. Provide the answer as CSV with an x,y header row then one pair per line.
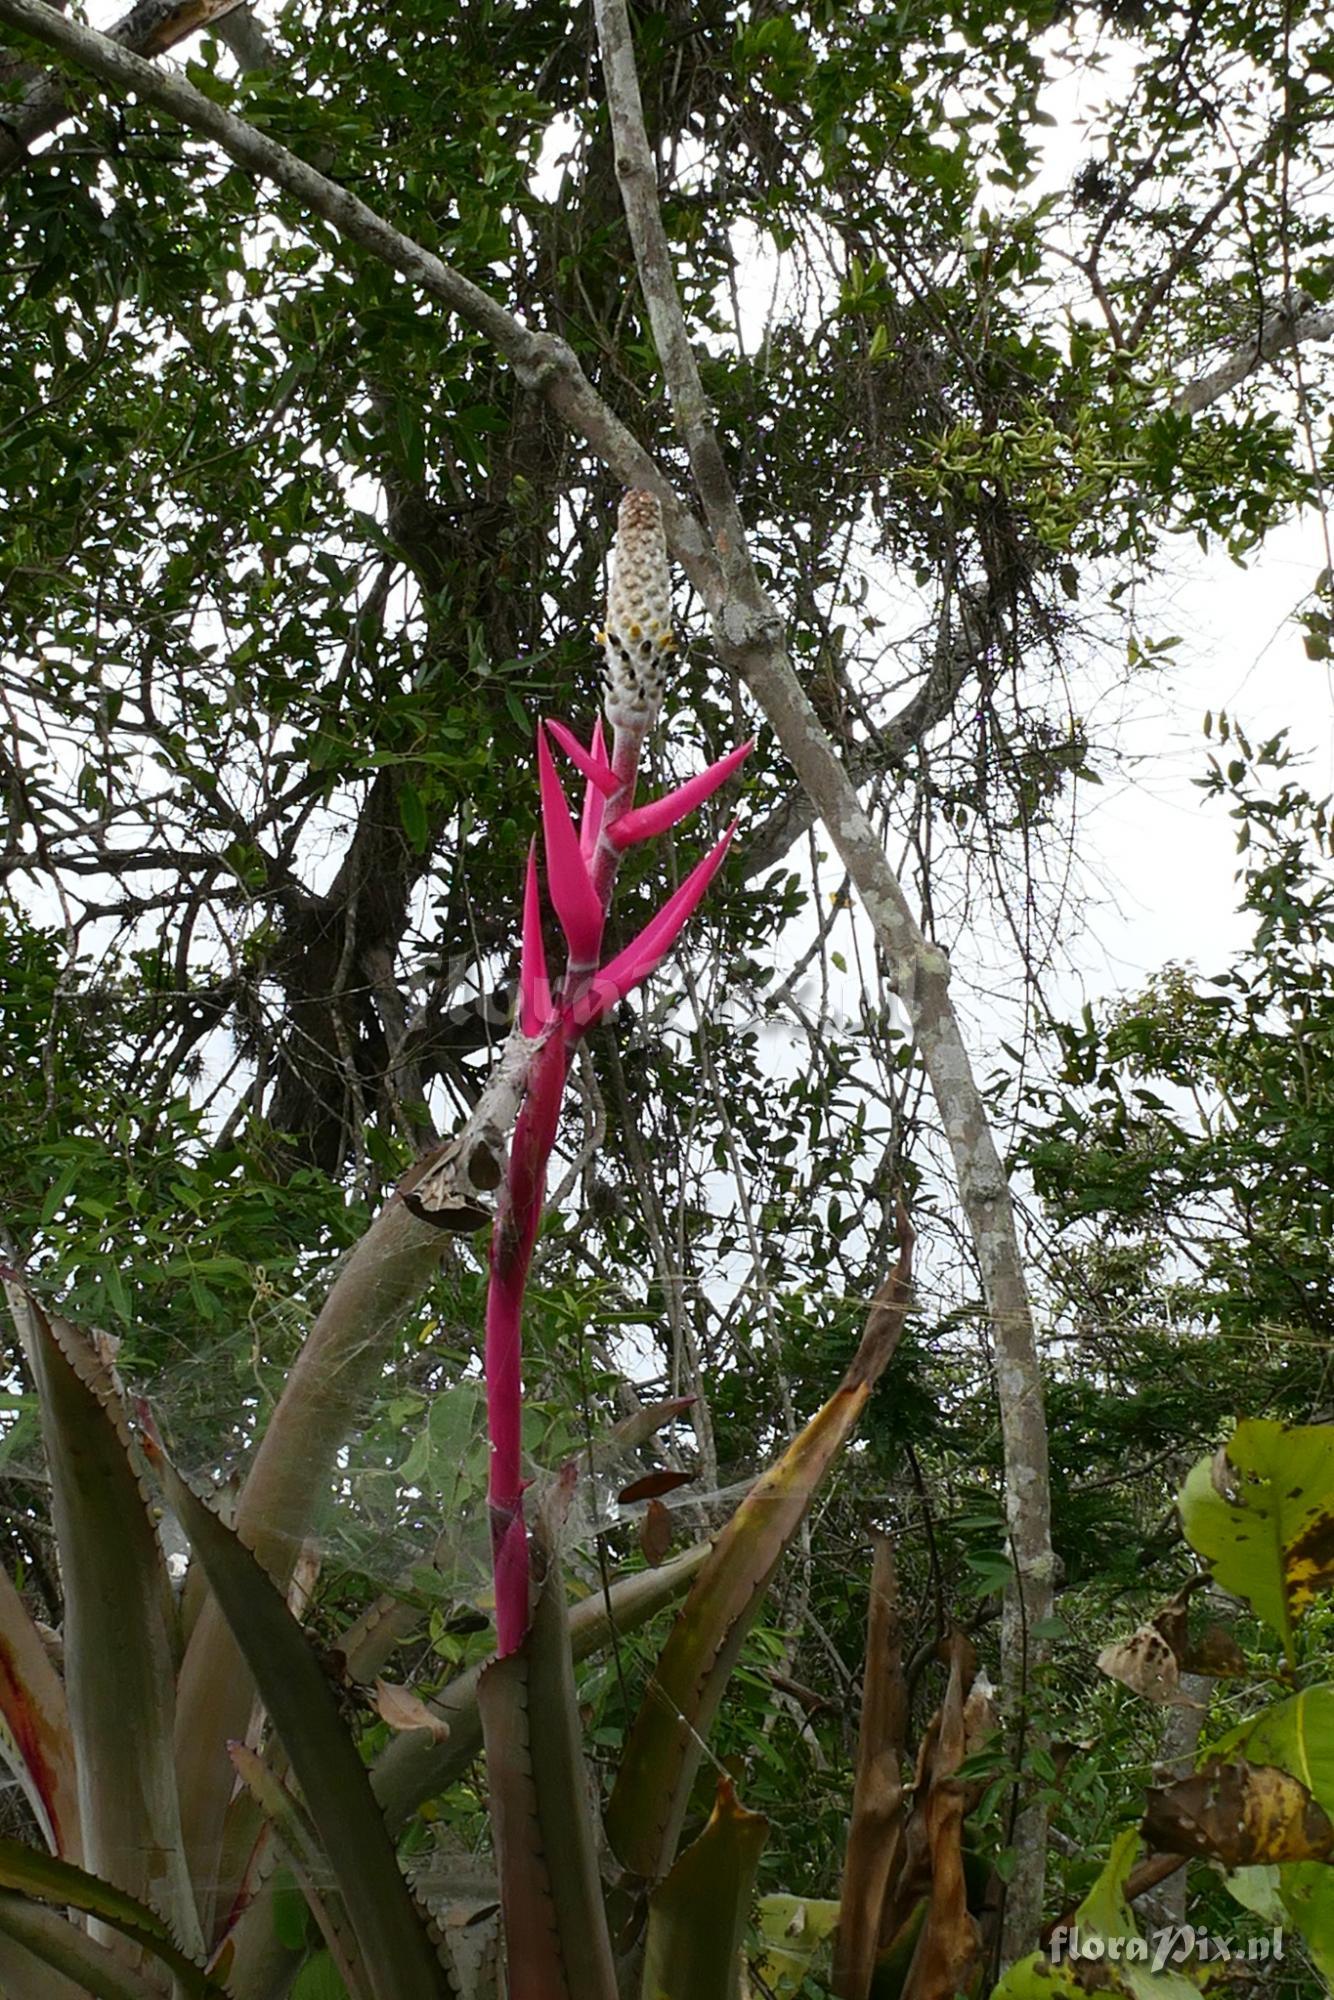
x,y
1261,1513
289,1911
1257,1889
1307,1890
119,1625
45,1878
400,1960
662,1752
557,1945
698,1915
1296,1734
318,1980
795,1931
1120,1961
412,813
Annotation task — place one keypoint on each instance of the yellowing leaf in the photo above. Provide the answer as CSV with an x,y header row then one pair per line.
x,y
795,1930
1261,1512
402,1709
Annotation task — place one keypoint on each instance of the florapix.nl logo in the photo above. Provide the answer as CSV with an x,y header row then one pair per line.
x,y
1174,1944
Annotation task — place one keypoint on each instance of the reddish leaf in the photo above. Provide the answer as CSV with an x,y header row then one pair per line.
x,y
535,1008
652,1486
594,762
655,1535
573,896
645,953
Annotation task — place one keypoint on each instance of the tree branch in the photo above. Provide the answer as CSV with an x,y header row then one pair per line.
x,y
958,651
1294,321
637,177
149,29
749,635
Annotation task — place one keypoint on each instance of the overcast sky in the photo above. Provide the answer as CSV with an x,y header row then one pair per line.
x,y
1164,853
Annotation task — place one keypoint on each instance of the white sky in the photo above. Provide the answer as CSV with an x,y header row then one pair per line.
x,y
1158,857
1165,853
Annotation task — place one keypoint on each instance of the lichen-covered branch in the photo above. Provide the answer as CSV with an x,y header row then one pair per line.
x,y
748,631
1294,322
149,29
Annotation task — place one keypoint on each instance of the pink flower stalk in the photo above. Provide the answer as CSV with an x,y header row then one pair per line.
x,y
581,870
518,1218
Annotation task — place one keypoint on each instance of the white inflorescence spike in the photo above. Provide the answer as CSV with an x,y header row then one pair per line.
x,y
638,637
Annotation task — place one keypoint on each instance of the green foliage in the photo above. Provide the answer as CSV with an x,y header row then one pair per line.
x,y
1264,1521
290,565
1186,1146
1117,1953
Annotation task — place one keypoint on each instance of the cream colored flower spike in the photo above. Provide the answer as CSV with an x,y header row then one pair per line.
x,y
638,638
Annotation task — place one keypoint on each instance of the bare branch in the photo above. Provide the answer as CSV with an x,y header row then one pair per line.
x,y
957,653
749,634
638,180
149,29
1291,323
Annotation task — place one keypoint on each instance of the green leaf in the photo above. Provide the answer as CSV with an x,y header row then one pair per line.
x,y
1307,1892
289,1911
401,1962
412,813
50,1880
449,1454
119,1624
1261,1513
318,1980
698,1915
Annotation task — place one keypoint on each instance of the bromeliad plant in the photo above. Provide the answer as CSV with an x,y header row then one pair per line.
x,y
581,875
117,1899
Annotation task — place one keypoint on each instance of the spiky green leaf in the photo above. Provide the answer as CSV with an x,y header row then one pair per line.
x,y
400,1959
